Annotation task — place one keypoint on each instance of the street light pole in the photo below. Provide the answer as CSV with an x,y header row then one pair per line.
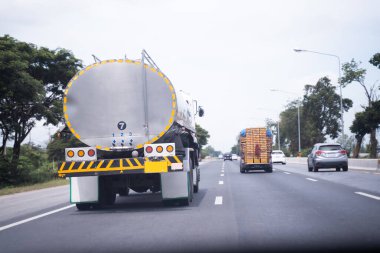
x,y
299,120
340,86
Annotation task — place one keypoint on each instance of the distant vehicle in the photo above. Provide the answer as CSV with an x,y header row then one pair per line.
x,y
234,157
255,149
227,156
327,155
278,157
220,156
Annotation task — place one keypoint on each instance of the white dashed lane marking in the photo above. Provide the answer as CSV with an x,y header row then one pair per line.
x,y
368,195
35,217
311,179
221,182
218,200
222,175
287,173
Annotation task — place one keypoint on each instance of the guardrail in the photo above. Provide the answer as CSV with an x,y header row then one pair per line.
x,y
359,164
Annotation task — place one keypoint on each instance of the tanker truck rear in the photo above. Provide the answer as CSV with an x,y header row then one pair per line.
x,y
255,149
137,130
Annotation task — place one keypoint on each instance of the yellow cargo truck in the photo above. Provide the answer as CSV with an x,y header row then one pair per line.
x,y
255,149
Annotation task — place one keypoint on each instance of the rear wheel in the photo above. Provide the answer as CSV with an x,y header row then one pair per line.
x,y
345,168
337,169
315,168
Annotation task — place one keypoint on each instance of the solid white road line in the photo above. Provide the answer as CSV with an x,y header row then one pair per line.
x,y
287,173
222,175
314,180
368,195
221,182
34,217
218,200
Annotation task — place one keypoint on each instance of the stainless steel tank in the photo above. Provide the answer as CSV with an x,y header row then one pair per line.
x,y
123,104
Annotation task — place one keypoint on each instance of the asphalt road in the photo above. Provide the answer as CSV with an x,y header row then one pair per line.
x,y
288,210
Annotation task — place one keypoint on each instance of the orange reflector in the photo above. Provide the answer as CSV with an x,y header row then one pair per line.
x,y
169,148
70,153
81,153
91,152
159,149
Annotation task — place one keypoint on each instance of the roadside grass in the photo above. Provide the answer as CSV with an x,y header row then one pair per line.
x,y
24,188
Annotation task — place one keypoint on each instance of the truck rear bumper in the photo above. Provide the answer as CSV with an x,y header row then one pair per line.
x,y
121,166
257,166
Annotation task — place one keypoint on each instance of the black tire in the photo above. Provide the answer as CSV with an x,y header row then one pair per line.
x,y
345,168
315,168
269,170
337,169
309,168
124,192
83,206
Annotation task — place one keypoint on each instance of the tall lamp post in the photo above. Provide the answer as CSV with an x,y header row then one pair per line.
x,y
299,121
340,86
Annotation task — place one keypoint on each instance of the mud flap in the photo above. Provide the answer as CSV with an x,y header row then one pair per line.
x,y
175,185
84,189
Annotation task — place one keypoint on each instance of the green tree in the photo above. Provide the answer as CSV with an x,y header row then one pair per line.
x,y
321,112
375,60
202,135
352,73
32,80
289,131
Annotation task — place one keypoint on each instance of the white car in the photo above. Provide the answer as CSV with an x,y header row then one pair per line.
x,y
278,157
234,157
220,156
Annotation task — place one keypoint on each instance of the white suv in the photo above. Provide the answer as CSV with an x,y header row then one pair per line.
x,y
278,157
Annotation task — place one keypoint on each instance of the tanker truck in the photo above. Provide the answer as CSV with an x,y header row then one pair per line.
x,y
137,130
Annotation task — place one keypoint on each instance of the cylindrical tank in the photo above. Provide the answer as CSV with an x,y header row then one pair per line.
x,y
123,104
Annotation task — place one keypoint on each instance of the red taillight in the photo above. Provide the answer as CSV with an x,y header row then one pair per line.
x,y
91,152
149,149
343,152
319,152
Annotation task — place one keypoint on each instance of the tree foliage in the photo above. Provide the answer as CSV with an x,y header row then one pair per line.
x,y
375,60
32,80
320,115
352,73
202,135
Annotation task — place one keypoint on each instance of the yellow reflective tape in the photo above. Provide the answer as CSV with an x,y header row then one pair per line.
x,y
66,91
166,80
69,84
138,162
146,66
66,116
62,166
77,135
64,108
128,61
106,148
75,78
167,128
64,99
167,160
120,61
160,74
173,113
111,60
68,124
71,165
109,164
89,67
121,163
100,164
103,62
154,139
173,104
81,165
176,158
161,134
81,72
153,69
170,120
173,96
90,165
98,147
129,163
171,88
139,146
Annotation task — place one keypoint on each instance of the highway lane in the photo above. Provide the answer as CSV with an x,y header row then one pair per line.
x,y
232,212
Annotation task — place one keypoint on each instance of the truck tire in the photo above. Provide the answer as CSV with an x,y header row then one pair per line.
x,y
83,206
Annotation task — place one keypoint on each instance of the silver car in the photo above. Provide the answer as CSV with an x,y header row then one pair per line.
x,y
327,155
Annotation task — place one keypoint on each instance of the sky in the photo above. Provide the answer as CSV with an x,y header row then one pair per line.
x,y
227,54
